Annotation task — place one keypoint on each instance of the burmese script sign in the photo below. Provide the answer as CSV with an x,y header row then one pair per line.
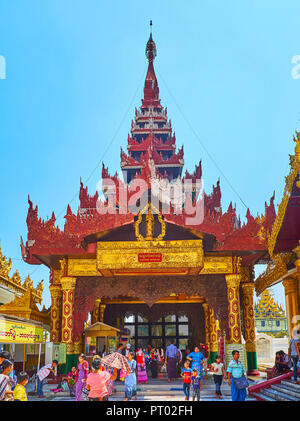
x,y
149,257
20,333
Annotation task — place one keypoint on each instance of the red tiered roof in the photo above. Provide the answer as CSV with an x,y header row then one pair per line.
x,y
157,148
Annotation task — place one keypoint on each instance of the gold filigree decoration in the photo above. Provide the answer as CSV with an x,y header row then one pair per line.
x,y
149,224
5,265
297,155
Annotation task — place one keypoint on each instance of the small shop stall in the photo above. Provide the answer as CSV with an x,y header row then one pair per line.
x,y
23,331
23,339
99,337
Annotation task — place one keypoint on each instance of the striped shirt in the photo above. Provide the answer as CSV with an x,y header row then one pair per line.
x,y
44,372
3,386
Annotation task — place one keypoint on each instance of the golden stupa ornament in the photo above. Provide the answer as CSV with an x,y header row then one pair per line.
x,y
149,225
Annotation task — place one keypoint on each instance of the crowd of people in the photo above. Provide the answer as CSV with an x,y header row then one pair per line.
x,y
95,381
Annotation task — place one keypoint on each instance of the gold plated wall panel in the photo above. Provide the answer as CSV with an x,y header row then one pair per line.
x,y
151,257
82,267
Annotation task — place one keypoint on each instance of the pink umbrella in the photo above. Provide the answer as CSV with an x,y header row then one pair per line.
x,y
118,361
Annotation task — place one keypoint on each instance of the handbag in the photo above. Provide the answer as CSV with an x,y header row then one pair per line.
x,y
241,383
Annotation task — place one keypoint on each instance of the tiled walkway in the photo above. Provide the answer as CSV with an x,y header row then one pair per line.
x,y
155,390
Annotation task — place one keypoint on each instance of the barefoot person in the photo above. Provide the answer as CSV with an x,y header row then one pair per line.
x,y
42,374
82,371
219,372
196,359
186,374
235,370
141,367
171,360
130,380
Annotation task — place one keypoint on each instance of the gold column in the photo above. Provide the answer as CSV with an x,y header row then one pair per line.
x,y
95,312
213,331
206,318
55,316
233,282
249,321
291,289
102,310
68,287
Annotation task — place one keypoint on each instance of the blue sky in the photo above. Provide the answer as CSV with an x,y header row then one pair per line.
x,y
74,73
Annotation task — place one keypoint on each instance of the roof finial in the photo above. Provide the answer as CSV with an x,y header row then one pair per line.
x,y
150,47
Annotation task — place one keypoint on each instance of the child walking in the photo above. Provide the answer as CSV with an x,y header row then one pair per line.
x,y
219,372
186,374
196,382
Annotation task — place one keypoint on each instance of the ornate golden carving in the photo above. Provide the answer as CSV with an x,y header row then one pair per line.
x,y
69,348
5,265
216,264
83,267
153,257
290,285
233,281
68,286
78,346
149,224
297,155
297,262
95,312
289,180
26,308
213,331
206,318
68,283
237,260
102,310
249,322
63,267
16,278
56,302
276,269
14,283
245,274
251,346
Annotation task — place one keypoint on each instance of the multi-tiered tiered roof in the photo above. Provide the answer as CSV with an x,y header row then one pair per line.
x,y
151,156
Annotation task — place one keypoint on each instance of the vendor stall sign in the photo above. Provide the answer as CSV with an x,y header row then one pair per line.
x,y
20,333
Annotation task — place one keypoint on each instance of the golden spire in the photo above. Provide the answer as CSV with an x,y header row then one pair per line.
x,y
149,225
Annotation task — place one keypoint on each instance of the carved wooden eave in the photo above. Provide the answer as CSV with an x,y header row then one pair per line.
x,y
25,307
290,180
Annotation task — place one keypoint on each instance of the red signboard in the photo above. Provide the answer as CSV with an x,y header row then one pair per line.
x,y
149,257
